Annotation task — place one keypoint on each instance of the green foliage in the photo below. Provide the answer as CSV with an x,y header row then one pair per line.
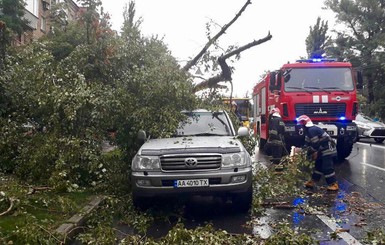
x,y
286,235
34,232
359,38
100,224
62,143
317,39
13,15
116,174
269,185
130,28
375,237
69,98
34,212
200,235
250,142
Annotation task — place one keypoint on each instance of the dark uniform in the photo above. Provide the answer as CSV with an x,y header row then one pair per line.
x,y
276,137
322,148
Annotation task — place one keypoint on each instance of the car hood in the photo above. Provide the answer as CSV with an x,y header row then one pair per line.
x,y
371,124
199,144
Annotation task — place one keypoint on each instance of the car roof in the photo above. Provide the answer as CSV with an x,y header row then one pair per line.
x,y
201,110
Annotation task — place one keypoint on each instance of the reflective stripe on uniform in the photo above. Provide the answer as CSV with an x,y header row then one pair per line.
x,y
317,172
275,132
330,175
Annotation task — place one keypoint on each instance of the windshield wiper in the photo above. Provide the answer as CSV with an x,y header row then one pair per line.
x,y
322,89
346,91
207,134
302,89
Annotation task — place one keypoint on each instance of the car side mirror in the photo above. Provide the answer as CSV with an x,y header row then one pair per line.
x,y
142,137
243,131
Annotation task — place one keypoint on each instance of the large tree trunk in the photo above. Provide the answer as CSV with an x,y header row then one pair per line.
x,y
193,62
226,71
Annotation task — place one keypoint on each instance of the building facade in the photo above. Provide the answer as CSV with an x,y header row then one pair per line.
x,y
39,13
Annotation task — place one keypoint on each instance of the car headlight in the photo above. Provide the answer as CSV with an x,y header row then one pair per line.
x,y
234,160
145,163
365,127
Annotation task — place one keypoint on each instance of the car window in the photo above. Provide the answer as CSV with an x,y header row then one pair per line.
x,y
363,118
204,124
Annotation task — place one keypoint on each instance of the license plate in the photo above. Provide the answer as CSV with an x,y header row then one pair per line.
x,y
330,132
191,183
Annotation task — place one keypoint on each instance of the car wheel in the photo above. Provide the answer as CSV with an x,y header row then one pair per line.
x,y
379,140
242,201
141,203
343,150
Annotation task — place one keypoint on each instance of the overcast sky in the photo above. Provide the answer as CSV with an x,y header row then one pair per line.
x,y
182,24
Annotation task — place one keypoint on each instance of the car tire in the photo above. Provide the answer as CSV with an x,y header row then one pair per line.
x,y
242,201
343,150
379,140
141,203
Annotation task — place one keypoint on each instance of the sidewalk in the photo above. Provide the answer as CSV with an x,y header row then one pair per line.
x,y
73,226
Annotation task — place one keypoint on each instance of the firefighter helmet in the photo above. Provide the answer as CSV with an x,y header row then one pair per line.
x,y
305,120
275,110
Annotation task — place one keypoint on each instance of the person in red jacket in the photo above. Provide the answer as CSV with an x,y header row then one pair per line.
x,y
322,148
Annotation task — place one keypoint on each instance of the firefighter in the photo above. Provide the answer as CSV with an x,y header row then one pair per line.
x,y
322,149
235,109
276,136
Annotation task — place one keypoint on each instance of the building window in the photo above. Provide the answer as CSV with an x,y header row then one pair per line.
x,y
33,6
43,24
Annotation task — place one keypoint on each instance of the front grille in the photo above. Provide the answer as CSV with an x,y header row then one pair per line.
x,y
212,181
378,132
177,162
321,109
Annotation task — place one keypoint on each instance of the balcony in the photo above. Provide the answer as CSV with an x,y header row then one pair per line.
x,y
32,19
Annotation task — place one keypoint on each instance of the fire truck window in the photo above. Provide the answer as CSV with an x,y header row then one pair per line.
x,y
319,78
347,81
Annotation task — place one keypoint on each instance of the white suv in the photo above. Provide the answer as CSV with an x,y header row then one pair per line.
x,y
204,157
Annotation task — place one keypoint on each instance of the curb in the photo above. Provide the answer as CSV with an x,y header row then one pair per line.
x,y
72,226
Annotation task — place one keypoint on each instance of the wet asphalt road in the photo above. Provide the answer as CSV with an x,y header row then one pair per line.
x,y
358,207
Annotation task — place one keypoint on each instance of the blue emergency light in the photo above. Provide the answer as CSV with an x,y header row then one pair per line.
x,y
317,60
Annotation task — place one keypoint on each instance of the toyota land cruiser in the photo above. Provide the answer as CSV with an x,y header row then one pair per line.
x,y
204,157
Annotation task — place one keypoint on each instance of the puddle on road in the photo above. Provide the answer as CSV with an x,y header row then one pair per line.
x,y
262,227
303,215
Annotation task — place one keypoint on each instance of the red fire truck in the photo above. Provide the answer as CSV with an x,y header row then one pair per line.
x,y
323,89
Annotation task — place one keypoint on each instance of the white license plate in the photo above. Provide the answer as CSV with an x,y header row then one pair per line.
x,y
191,183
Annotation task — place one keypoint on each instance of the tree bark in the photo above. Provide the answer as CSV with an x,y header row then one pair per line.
x,y
226,71
193,62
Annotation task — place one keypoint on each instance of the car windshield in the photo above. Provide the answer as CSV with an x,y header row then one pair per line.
x,y
363,118
204,124
319,79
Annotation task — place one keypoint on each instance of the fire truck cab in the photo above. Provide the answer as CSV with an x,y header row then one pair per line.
x,y
323,89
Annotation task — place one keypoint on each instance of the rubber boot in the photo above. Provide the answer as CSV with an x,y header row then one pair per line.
x,y
310,184
333,187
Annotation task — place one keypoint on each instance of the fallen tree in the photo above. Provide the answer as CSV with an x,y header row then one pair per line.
x,y
225,75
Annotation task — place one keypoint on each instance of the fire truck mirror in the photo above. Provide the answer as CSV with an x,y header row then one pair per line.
x,y
359,80
287,78
273,81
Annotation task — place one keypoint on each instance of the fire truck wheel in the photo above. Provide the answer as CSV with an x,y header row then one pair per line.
x,y
343,150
